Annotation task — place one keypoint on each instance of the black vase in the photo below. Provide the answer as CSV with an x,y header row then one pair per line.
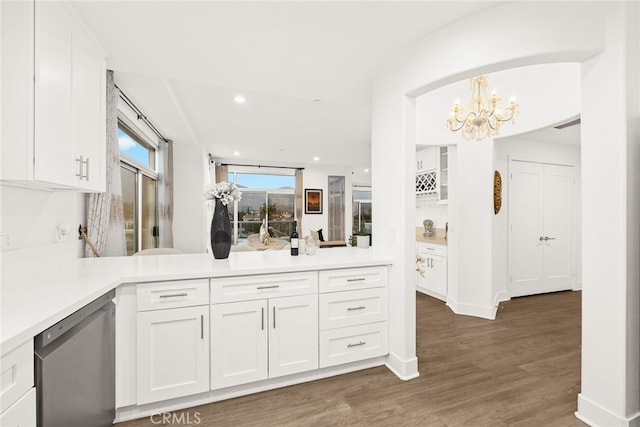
x,y
220,231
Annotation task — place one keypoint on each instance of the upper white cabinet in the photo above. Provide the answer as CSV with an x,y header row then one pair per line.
x,y
53,99
426,160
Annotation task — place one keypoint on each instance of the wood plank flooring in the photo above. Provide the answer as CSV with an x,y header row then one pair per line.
x,y
522,369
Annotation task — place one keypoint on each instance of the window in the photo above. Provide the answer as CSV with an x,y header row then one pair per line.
x,y
268,197
361,209
139,190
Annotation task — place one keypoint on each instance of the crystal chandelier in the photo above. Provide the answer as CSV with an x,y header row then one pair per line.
x,y
486,114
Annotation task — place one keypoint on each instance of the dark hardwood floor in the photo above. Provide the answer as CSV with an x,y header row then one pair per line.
x,y
522,369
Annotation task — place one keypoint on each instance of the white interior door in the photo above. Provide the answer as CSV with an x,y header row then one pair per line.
x,y
540,228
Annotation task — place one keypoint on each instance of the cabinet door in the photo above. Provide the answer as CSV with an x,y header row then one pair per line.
x,y
239,343
433,281
439,275
173,353
293,335
88,113
53,150
22,413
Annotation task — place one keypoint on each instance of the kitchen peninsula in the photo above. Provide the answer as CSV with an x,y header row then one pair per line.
x,y
192,330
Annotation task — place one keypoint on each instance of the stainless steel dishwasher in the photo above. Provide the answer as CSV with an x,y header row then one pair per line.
x,y
75,368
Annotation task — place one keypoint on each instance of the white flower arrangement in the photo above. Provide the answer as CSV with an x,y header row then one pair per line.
x,y
227,192
420,265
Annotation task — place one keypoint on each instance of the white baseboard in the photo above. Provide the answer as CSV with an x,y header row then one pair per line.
x,y
403,369
577,286
500,297
471,309
593,414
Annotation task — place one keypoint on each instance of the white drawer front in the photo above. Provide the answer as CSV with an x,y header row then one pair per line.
x,y
22,413
350,308
353,278
432,249
16,374
231,289
354,343
172,294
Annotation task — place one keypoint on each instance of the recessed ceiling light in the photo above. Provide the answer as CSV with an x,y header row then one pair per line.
x,y
366,171
240,99
236,153
316,158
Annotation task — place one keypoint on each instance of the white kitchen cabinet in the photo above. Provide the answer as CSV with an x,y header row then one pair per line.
x,y
17,393
293,335
172,353
353,315
239,343
22,413
259,339
53,111
426,160
172,344
433,281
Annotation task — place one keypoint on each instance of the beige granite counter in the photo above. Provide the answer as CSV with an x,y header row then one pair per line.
x,y
437,238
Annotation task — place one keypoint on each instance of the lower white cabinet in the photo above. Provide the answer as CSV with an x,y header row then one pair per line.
x,y
17,393
22,413
433,280
172,353
260,339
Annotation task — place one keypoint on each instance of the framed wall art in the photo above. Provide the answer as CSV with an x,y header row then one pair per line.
x,y
312,201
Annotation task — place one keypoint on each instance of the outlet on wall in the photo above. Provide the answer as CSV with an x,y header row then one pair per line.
x,y
63,231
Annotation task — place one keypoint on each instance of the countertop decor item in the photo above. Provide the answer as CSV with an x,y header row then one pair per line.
x,y
222,193
428,228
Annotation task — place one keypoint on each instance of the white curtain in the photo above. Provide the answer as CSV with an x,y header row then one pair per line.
x,y
165,193
298,200
105,217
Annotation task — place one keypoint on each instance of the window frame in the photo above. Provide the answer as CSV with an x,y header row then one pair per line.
x,y
140,170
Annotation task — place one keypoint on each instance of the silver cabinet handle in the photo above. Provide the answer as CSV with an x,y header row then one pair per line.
x,y
355,308
82,162
541,238
262,327
359,279
268,287
202,326
274,317
174,295
549,238
430,249
355,345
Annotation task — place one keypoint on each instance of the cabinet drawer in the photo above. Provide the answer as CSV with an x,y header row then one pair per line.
x,y
350,308
353,278
432,249
16,374
172,294
231,289
354,343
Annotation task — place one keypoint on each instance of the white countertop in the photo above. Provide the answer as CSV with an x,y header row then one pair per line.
x,y
37,292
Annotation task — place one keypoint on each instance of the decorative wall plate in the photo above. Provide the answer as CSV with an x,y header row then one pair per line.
x,y
497,192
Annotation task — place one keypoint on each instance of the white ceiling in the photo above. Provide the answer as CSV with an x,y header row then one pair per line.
x,y
183,62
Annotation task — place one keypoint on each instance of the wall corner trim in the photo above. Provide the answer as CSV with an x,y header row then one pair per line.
x,y
593,414
471,309
404,369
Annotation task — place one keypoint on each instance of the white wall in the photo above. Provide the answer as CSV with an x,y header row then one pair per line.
x,y
538,33
30,219
517,148
190,227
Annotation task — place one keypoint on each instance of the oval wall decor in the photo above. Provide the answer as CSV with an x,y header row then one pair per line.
x,y
497,192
